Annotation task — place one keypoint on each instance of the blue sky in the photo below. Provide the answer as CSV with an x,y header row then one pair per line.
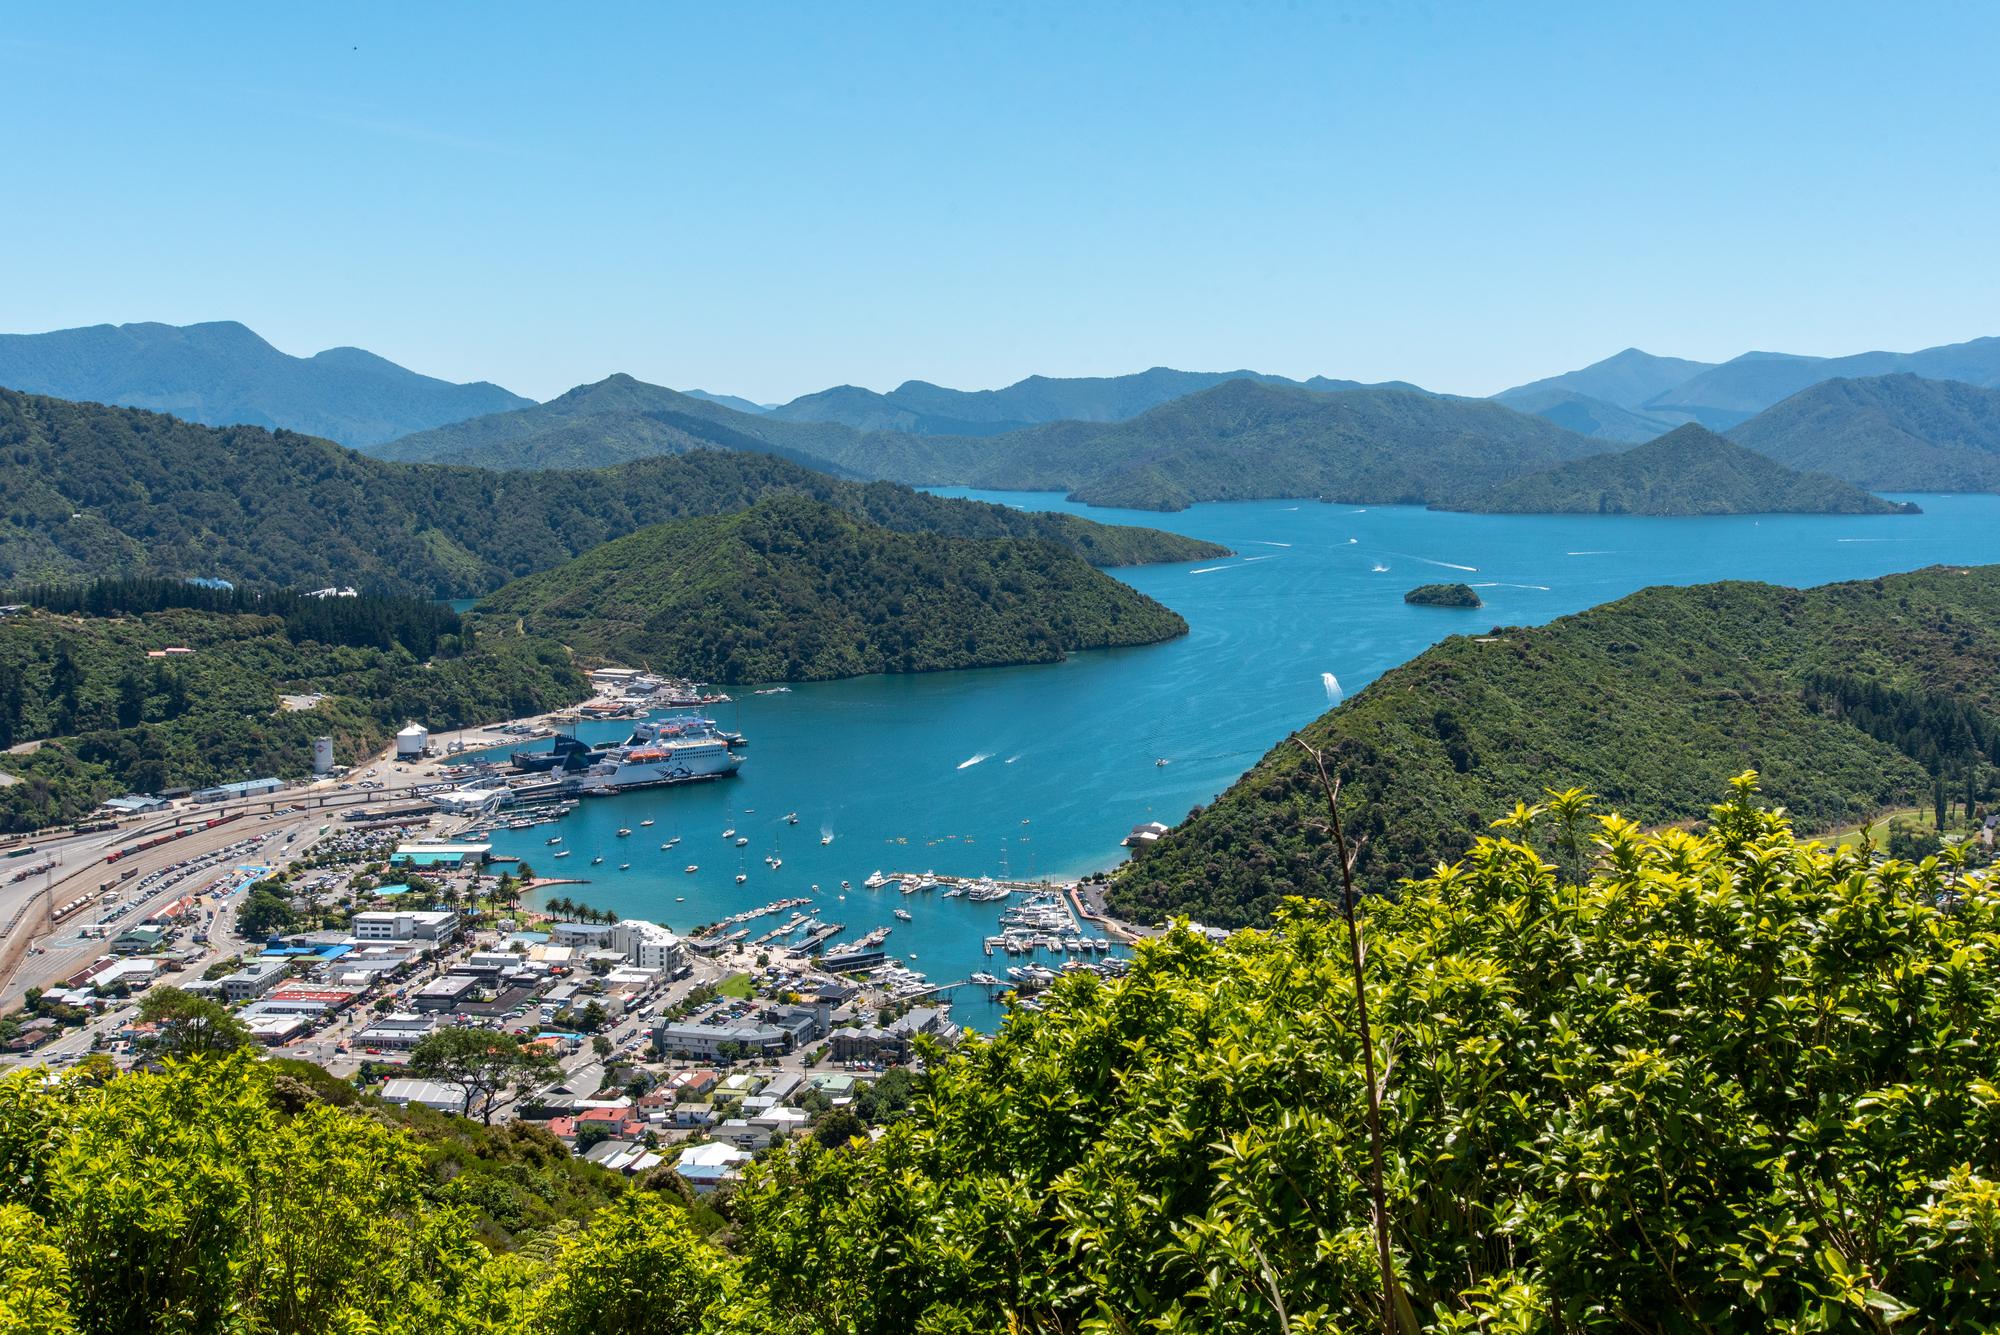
x,y
770,199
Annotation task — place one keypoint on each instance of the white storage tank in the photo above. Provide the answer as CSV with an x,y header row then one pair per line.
x,y
322,755
411,741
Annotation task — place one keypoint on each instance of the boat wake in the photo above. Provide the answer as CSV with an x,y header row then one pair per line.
x,y
975,760
1448,565
1332,684
1262,543
1497,584
1210,570
1874,539
1379,568
1597,553
1011,759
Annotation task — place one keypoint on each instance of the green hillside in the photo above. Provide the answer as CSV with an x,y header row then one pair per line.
x,y
223,374
93,490
1588,416
797,590
1725,395
1845,697
1688,471
123,722
1891,433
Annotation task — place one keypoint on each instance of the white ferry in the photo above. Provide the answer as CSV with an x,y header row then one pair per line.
x,y
681,749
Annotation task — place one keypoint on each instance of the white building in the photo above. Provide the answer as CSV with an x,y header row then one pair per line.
x,y
707,1167
647,945
412,740
322,755
254,979
443,1095
405,925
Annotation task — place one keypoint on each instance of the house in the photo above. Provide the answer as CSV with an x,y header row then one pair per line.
x,y
622,1156
272,1030
139,940
783,1122
743,1134
707,1167
896,1041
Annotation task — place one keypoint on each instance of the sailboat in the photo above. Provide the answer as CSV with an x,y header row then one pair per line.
x,y
599,858
647,821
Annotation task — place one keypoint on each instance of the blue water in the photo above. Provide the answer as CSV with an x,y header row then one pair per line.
x,y
1041,770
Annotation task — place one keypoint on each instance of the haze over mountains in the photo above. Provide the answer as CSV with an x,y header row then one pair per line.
x,y
222,374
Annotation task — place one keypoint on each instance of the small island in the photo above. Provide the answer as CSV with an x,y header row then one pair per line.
x,y
1443,595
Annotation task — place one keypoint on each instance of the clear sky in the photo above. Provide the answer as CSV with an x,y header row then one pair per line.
x,y
768,199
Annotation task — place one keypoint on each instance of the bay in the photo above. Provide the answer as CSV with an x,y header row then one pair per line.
x,y
1039,771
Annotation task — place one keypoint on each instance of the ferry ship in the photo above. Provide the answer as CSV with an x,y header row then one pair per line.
x,y
672,750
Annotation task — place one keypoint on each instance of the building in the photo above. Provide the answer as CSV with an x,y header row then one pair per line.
x,y
398,1030
447,993
139,940
133,804
707,1167
774,1031
411,741
322,755
254,979
896,1041
647,945
439,855
405,925
444,1095
273,1030
236,792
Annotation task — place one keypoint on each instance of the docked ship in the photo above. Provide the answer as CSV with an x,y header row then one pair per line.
x,y
566,755
681,749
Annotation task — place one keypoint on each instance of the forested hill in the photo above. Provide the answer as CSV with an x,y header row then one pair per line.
x,y
1845,697
93,490
223,374
1243,440
613,421
795,589
1688,471
1890,432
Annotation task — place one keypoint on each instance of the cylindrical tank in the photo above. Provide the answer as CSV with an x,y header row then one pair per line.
x,y
322,755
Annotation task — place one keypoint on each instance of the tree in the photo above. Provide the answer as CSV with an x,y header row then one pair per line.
x,y
481,1061
264,913
191,1026
837,1126
600,1046
639,1269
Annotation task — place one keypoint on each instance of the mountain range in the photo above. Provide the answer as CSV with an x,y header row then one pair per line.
x,y
222,374
97,491
1688,471
1890,433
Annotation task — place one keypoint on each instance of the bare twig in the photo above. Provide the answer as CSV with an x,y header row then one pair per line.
x,y
1378,1196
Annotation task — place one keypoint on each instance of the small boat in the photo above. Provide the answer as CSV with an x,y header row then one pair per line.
x,y
741,878
1163,762
671,842
647,821
624,866
845,885
729,833
680,899
741,841
691,869
556,840
624,831
599,858
825,839
791,818
903,914
876,882
562,853
777,863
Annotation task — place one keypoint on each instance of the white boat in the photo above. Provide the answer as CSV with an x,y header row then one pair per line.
x,y
777,863
556,840
671,842
729,833
647,821
903,914
741,841
691,869
671,750
876,882
825,839
791,818
599,858
623,831
846,885
741,878
562,853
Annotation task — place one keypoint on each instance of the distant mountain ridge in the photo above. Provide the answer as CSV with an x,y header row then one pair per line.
x,y
1627,379
1889,433
1688,471
922,408
223,374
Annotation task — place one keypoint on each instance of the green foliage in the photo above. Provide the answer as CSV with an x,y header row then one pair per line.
x,y
127,722
263,914
1688,471
639,1269
1731,1082
190,1025
111,491
34,1277
793,589
1443,595
1846,697
484,1061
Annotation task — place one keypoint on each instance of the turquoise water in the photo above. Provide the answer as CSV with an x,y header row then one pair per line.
x,y
1041,770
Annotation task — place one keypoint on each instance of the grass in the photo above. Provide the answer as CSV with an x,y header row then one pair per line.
x,y
737,985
